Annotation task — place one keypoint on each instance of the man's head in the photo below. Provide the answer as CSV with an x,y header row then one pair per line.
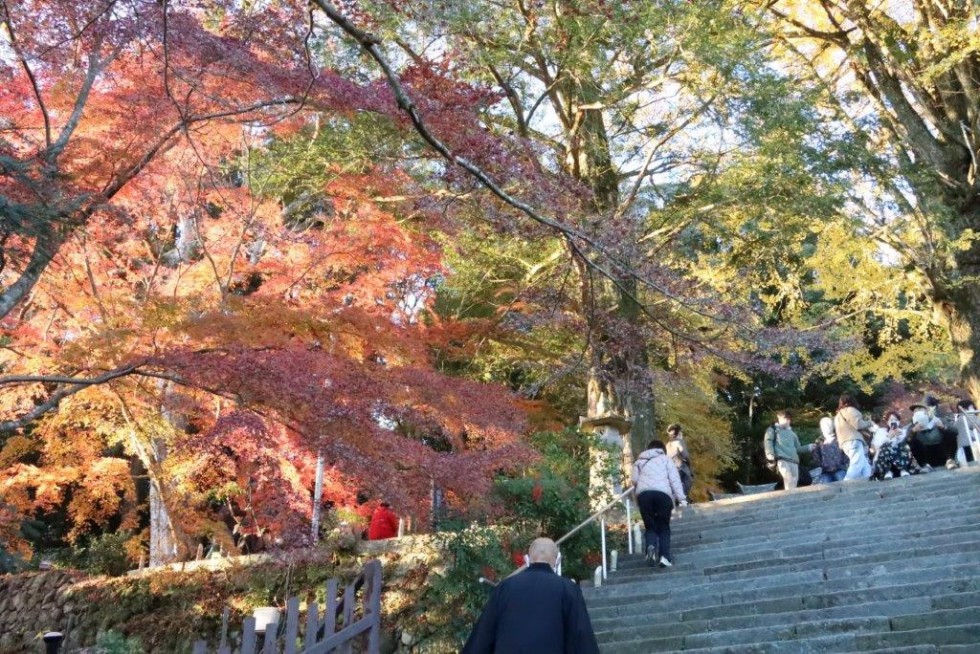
x,y
675,431
965,405
784,418
543,550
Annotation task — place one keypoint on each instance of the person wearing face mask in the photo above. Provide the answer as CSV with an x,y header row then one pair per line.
x,y
828,455
892,454
932,444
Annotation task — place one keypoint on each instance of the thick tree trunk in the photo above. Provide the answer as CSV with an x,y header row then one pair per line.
x,y
163,540
963,321
958,305
618,381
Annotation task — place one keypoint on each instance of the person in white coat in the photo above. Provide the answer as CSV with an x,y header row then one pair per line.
x,y
657,484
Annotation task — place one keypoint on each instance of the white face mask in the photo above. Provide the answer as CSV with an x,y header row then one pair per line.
x,y
893,423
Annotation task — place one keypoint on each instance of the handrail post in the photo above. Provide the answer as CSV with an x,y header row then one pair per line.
x,y
605,567
629,525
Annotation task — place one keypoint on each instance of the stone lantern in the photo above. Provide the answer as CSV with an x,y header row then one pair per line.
x,y
605,479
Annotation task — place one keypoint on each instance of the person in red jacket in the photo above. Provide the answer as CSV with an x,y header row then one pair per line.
x,y
384,523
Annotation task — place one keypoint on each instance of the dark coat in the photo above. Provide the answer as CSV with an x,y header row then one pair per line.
x,y
534,612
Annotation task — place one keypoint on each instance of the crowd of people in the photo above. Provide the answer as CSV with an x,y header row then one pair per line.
x,y
539,611
853,447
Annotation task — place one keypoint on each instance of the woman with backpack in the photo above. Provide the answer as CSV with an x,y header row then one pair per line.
x,y
828,455
657,484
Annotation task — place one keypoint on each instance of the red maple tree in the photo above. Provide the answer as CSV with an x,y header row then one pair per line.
x,y
164,306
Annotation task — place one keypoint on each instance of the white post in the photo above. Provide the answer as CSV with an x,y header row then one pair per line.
x,y
605,568
638,536
629,525
613,560
318,498
401,527
597,577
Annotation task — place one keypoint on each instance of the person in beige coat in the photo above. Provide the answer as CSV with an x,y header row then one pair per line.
x,y
848,424
681,456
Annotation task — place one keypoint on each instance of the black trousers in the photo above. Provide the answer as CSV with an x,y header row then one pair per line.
x,y
656,507
935,455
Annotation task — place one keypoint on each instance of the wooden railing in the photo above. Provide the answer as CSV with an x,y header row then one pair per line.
x,y
320,635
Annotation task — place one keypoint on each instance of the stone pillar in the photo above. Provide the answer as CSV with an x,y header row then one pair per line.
x,y
611,460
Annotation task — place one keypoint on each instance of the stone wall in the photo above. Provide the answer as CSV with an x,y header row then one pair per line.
x,y
68,601
32,604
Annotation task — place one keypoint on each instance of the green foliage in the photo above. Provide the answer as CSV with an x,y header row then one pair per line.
x,y
548,499
692,401
9,561
102,555
113,642
453,597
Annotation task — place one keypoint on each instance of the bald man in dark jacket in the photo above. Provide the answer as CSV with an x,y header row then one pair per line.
x,y
534,612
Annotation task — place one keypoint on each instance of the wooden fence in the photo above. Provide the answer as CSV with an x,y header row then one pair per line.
x,y
319,635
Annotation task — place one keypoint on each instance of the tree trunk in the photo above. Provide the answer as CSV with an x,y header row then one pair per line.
x,y
45,247
617,382
163,540
958,305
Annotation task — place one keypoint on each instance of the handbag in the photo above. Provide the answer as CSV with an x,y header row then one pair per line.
x,y
930,436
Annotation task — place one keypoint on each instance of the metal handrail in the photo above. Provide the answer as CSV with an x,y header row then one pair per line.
x,y
602,570
595,516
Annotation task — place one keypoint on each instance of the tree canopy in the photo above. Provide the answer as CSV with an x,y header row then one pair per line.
x,y
237,239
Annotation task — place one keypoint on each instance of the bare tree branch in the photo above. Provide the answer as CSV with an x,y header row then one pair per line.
x,y
30,74
69,386
370,43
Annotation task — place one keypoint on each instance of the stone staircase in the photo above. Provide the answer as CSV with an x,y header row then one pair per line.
x,y
889,566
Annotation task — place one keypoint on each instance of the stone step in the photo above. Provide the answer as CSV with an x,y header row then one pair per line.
x,y
782,586
790,535
890,601
912,485
822,552
817,527
928,619
873,514
809,544
964,635
944,594
688,526
831,637
856,567
774,633
835,566
670,624
876,494
699,531
809,540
